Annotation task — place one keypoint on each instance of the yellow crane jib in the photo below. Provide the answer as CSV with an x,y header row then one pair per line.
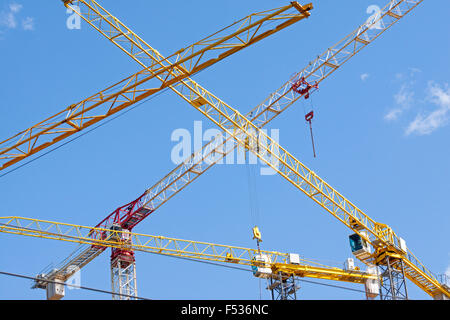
x,y
265,261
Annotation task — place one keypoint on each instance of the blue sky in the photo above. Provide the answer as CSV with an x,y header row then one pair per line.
x,y
381,131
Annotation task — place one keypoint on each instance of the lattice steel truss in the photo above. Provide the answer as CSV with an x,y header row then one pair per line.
x,y
393,280
283,287
123,277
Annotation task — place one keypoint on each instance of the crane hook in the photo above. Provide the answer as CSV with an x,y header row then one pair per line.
x,y
308,117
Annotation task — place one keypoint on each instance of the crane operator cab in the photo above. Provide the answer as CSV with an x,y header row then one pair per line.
x,y
360,247
261,266
118,233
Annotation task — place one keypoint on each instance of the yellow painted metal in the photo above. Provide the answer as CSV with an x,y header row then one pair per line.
x,y
315,272
194,250
257,234
169,71
133,45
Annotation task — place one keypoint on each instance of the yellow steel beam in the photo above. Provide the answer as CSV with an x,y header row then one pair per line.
x,y
327,273
194,250
133,45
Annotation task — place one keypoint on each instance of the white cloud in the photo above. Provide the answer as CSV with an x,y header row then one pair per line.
x,y
414,70
8,18
364,76
393,114
426,124
28,24
404,99
15,7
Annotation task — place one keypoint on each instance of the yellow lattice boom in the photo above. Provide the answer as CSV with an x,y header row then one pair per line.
x,y
193,250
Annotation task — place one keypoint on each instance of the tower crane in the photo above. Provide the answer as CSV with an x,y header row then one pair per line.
x,y
193,167
169,71
274,266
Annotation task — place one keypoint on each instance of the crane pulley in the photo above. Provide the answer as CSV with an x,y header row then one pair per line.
x,y
302,87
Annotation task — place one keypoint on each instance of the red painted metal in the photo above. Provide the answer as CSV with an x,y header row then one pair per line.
x,y
127,217
126,256
309,116
302,87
